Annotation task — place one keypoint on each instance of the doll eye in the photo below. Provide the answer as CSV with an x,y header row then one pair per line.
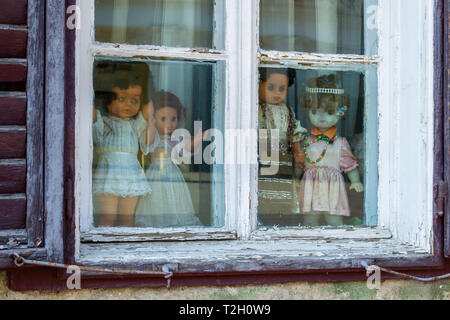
x,y
174,119
282,88
163,119
134,101
270,87
314,112
121,99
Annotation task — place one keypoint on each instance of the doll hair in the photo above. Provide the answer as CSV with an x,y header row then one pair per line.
x,y
122,75
264,74
163,99
331,102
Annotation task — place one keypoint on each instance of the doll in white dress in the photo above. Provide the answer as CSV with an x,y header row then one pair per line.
x,y
170,204
125,126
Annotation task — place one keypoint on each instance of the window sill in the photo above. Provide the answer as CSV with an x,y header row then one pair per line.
x,y
254,256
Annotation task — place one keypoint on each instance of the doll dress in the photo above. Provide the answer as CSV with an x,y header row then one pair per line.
x,y
277,193
116,142
170,204
322,188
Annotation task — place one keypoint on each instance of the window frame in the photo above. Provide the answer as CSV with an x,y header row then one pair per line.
x,y
322,270
240,52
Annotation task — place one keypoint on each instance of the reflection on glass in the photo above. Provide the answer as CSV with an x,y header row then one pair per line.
x,y
175,23
318,121
150,133
323,26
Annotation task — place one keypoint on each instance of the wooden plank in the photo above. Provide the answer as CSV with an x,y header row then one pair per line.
x,y
11,238
111,234
35,121
33,254
13,108
256,256
12,176
13,140
13,209
13,70
13,11
14,41
54,124
446,117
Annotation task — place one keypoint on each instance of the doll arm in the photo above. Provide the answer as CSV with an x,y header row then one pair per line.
x,y
355,181
98,127
148,112
299,155
299,132
148,135
349,164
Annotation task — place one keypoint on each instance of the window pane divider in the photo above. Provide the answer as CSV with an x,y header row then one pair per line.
x,y
122,234
143,51
321,233
307,59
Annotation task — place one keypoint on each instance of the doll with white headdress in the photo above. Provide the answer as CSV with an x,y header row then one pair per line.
x,y
327,154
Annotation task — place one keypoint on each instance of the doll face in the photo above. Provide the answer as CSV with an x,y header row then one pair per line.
x,y
322,119
127,103
166,120
274,90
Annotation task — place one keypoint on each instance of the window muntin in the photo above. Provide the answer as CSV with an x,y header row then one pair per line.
x,y
187,23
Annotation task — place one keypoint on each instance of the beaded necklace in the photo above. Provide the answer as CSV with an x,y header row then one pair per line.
x,y
327,140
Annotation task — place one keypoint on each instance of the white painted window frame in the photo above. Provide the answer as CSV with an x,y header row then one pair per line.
x,y
405,194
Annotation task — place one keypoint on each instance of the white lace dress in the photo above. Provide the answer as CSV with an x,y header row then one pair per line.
x,y
170,204
117,142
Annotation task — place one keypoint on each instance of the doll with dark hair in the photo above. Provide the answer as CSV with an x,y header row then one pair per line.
x,y
123,127
277,198
322,188
170,203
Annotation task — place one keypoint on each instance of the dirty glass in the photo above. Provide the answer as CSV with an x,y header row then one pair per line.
x,y
175,23
315,167
320,26
154,162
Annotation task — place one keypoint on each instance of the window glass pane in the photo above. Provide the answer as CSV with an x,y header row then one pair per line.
x,y
156,173
322,26
174,23
315,167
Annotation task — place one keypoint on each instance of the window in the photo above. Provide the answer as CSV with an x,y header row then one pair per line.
x,y
247,221
343,39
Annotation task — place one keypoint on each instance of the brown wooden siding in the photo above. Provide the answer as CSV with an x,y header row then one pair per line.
x,y
13,12
13,113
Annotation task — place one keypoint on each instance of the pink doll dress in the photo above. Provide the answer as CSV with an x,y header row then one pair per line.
x,y
322,188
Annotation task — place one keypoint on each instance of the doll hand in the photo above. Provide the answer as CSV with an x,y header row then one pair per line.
x,y
299,159
148,111
357,186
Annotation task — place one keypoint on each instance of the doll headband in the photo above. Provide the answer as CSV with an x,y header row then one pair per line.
x,y
324,90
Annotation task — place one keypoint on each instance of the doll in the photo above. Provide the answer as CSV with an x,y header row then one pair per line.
x,y
277,193
170,203
125,126
322,188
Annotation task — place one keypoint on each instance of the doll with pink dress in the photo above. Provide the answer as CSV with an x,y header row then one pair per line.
x,y
322,189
